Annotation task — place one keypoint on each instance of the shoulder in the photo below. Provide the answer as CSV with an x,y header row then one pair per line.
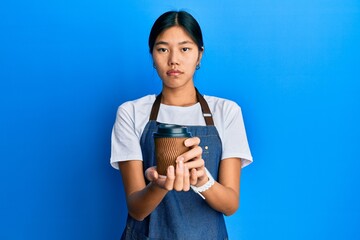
x,y
225,112
221,104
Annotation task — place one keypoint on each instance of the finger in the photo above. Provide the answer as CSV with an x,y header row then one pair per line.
x,y
198,175
186,186
151,174
193,176
201,175
195,152
192,141
195,163
179,176
200,172
160,181
170,177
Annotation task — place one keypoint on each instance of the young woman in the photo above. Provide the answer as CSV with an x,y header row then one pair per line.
x,y
190,201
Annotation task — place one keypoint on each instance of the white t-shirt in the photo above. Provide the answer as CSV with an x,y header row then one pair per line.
x,y
132,116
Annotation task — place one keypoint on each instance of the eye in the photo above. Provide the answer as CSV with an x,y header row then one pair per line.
x,y
185,49
162,50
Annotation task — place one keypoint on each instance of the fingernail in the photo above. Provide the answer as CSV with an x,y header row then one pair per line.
x,y
181,158
181,165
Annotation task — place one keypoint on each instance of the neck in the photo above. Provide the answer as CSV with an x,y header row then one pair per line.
x,y
176,97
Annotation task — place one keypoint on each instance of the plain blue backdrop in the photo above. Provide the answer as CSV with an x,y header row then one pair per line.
x,y
293,67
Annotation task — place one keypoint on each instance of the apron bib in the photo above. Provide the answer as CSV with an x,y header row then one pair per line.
x,y
181,215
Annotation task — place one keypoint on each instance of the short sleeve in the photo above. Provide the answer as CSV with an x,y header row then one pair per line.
x,y
125,141
235,143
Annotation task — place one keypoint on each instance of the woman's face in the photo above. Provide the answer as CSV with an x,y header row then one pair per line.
x,y
175,56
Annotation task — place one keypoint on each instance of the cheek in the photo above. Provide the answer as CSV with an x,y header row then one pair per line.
x,y
192,62
155,56
196,58
159,60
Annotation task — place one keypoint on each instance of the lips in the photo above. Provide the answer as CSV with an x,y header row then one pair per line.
x,y
174,72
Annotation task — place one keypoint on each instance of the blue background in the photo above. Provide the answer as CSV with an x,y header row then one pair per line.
x,y
293,66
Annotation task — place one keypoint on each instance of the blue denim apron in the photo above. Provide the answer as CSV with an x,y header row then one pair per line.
x,y
181,215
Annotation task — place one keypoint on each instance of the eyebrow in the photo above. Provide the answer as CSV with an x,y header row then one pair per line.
x,y
180,43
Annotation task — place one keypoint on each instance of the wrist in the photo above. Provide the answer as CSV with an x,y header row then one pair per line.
x,y
205,186
202,181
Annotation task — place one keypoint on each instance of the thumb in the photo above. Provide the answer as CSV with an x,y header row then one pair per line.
x,y
151,174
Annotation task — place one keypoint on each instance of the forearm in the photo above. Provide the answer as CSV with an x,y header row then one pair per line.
x,y
141,199
224,195
141,203
222,199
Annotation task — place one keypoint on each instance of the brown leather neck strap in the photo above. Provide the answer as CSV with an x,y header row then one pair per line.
x,y
155,108
204,107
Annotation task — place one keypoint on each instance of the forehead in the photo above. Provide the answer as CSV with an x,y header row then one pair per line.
x,y
174,34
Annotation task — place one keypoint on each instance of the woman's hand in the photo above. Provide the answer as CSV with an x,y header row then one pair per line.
x,y
180,178
193,161
176,179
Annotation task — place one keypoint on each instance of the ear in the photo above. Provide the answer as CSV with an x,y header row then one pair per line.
x,y
201,51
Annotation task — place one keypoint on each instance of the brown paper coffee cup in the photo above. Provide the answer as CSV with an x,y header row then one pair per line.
x,y
169,144
167,150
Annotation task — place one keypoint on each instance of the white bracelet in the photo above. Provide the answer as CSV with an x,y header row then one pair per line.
x,y
204,187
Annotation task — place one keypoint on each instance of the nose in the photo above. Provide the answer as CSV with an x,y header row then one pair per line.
x,y
173,58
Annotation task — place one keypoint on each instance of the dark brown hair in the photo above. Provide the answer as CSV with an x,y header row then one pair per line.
x,y
176,18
